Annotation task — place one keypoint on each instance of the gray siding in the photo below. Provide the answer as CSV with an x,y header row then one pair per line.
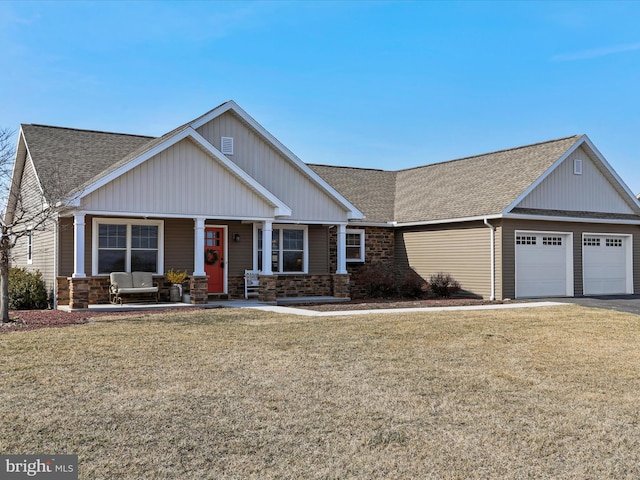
x,y
183,179
462,250
508,255
591,191
281,177
318,250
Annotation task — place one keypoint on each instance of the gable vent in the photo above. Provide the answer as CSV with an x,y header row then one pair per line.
x,y
577,167
227,145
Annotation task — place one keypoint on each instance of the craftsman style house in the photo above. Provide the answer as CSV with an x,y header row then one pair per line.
x,y
220,195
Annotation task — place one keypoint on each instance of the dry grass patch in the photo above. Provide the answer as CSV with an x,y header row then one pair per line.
x,y
526,393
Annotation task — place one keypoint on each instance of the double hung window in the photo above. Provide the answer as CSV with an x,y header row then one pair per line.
x,y
288,249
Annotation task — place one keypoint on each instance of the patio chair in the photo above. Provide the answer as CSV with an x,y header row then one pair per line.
x,y
251,283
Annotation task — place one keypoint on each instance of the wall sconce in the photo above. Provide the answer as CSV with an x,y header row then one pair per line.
x,y
236,237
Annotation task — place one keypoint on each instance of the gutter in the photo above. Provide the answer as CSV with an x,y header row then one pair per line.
x,y
493,259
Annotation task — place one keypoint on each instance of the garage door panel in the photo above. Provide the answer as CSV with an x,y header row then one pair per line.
x,y
542,264
606,264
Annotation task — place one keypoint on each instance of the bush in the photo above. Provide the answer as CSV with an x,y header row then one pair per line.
x,y
386,280
27,290
443,285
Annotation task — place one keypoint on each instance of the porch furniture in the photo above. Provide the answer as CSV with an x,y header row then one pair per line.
x,y
134,283
251,283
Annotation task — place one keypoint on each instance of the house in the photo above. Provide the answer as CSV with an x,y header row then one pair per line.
x,y
220,195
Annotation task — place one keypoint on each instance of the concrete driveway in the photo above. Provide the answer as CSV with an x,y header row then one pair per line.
x,y
620,303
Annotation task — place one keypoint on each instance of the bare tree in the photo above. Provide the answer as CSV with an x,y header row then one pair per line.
x,y
23,214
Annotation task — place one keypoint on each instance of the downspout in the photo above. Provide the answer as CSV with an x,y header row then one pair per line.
x,y
56,219
493,259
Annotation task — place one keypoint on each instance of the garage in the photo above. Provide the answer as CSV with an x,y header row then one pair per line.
x,y
544,264
607,264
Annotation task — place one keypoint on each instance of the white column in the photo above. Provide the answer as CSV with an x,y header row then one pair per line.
x,y
78,246
267,232
342,250
198,247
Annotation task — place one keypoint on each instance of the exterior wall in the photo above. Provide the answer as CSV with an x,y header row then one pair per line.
x,y
562,190
264,163
508,255
183,179
462,250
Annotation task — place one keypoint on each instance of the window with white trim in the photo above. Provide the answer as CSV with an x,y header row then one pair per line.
x,y
355,245
525,240
551,240
30,247
288,249
123,245
591,242
613,242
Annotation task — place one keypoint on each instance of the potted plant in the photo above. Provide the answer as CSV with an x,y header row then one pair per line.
x,y
176,278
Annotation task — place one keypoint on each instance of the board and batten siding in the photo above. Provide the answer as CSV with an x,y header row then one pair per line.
x,y
509,228
463,251
272,170
563,190
181,180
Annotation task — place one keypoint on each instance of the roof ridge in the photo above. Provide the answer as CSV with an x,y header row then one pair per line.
x,y
576,136
352,168
88,130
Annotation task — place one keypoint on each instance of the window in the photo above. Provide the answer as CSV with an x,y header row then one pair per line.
x,y
355,245
591,242
288,249
613,242
30,247
551,240
525,240
127,246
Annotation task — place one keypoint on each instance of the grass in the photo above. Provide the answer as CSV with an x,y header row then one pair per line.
x,y
529,393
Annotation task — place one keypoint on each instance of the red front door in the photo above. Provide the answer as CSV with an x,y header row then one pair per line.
x,y
214,258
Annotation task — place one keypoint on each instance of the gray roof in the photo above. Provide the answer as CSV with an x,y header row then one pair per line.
x,y
469,187
66,158
371,191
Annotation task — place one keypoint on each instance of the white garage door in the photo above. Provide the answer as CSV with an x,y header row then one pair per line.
x,y
607,264
544,265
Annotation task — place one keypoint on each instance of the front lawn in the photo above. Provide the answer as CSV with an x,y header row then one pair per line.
x,y
528,393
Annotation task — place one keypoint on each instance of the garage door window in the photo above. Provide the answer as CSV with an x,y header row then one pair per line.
x,y
551,240
525,240
591,242
613,242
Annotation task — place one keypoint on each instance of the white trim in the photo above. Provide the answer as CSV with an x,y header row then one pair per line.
x,y
577,166
352,211
569,282
517,216
361,233
542,177
109,213
280,208
95,222
629,290
480,218
281,227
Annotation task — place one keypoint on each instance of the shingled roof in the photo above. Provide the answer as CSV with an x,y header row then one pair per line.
x,y
67,157
468,187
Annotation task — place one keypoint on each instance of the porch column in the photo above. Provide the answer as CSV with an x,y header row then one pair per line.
x,y
267,233
78,246
342,250
198,248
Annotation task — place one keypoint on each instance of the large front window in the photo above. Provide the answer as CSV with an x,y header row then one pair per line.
x,y
288,249
126,246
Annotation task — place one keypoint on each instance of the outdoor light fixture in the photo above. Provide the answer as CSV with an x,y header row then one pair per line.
x,y
236,237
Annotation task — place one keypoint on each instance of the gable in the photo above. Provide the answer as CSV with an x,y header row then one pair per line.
x,y
272,169
595,190
182,179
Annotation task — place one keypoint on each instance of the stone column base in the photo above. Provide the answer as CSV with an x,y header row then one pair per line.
x,y
78,293
199,290
341,285
267,291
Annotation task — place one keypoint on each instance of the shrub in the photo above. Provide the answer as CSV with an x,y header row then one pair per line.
x,y
386,280
443,285
27,290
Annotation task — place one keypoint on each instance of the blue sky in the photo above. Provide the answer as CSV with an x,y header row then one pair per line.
x,y
372,84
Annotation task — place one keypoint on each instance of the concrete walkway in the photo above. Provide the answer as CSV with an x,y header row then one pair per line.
x,y
314,313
